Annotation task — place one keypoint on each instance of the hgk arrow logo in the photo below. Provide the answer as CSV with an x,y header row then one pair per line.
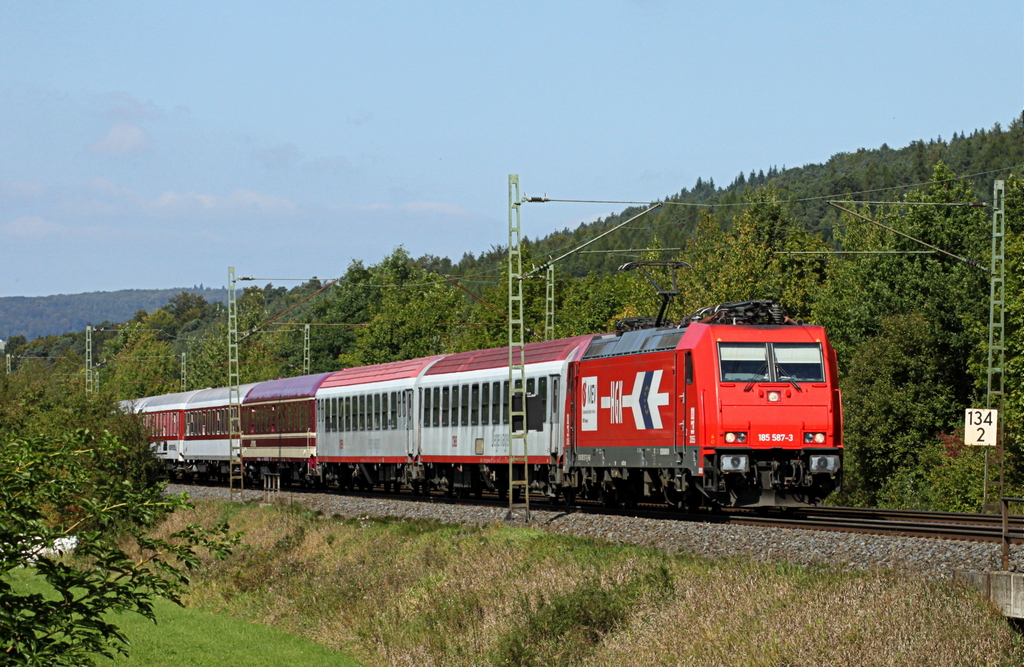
x,y
645,400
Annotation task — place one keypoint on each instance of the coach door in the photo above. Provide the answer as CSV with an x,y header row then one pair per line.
x,y
554,415
407,422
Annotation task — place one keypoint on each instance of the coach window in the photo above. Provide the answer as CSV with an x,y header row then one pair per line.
x,y
445,405
475,398
337,405
393,404
464,405
504,404
530,387
359,412
425,401
455,406
485,403
495,403
376,412
435,417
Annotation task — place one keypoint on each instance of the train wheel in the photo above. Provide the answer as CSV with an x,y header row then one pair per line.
x,y
569,495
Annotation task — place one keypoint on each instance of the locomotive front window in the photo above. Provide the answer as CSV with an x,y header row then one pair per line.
x,y
799,361
743,362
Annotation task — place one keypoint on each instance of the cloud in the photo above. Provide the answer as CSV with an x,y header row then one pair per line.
x,y
23,190
277,157
103,186
122,139
124,107
328,165
30,227
434,207
237,203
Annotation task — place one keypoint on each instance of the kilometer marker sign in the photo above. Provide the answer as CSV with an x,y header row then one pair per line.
x,y
980,427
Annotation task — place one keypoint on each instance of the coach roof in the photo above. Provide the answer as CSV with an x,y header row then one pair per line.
x,y
303,386
394,370
497,357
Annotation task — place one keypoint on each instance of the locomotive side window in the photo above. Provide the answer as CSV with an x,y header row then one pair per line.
x,y
799,361
688,368
743,362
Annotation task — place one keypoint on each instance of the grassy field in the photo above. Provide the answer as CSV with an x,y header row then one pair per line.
x,y
419,593
195,638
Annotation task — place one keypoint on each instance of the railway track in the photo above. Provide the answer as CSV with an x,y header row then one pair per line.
x,y
904,523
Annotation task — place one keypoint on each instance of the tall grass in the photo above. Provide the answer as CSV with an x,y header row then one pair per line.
x,y
417,592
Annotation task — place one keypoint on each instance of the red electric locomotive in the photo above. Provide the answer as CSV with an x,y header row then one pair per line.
x,y
738,406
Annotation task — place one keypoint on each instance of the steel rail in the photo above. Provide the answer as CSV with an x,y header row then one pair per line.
x,y
901,523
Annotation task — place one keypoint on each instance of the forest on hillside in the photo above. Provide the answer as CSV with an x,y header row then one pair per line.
x,y
911,329
35,316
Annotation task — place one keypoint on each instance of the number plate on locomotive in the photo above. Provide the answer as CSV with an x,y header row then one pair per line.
x,y
775,437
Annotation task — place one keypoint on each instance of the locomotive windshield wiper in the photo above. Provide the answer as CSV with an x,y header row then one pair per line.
x,y
783,374
754,377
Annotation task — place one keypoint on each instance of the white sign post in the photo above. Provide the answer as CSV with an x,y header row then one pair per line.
x,y
980,427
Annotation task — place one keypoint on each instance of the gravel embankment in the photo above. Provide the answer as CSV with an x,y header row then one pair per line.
x,y
929,557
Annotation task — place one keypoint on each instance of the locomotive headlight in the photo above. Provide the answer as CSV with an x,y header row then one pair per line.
x,y
827,463
733,463
814,437
735,436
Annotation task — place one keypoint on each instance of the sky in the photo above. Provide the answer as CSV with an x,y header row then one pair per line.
x,y
152,145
